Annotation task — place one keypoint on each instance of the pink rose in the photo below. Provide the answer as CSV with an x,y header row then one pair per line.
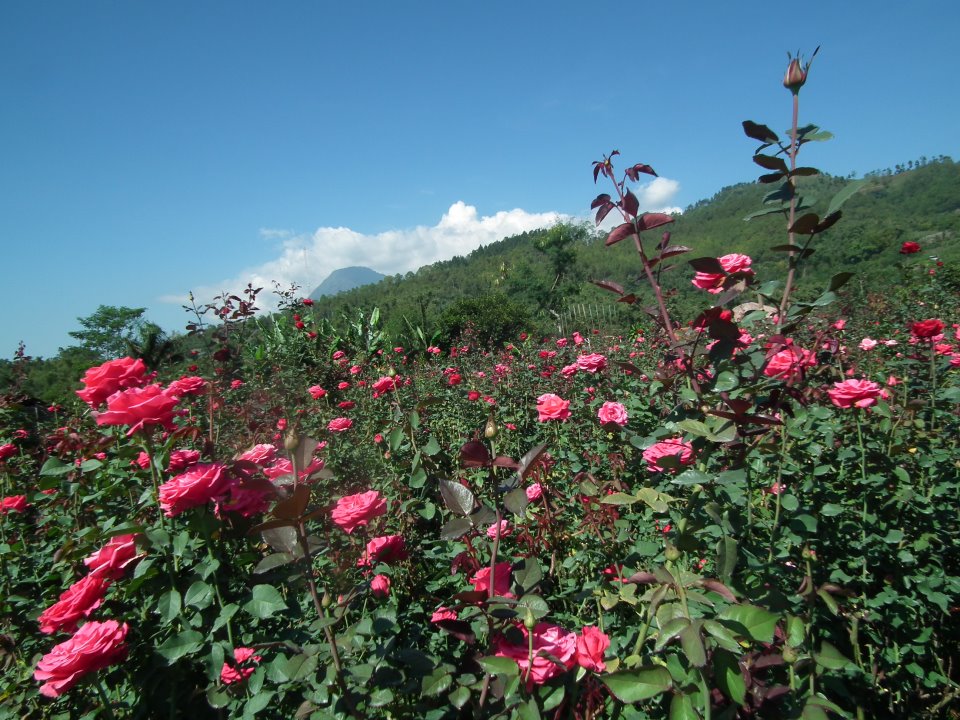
x,y
454,379
380,586
868,344
13,503
534,491
260,454
443,614
104,380
612,412
241,668
592,643
384,549
353,511
502,528
182,459
140,408
501,580
343,385
7,451
340,424
789,363
592,363
198,486
317,392
93,647
76,602
384,385
114,558
672,447
548,639
552,407
186,386
854,393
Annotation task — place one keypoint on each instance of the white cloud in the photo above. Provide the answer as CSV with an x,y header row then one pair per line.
x,y
656,195
307,259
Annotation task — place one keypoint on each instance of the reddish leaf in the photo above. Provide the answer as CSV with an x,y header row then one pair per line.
x,y
603,212
771,178
506,462
759,132
602,199
293,507
609,285
529,458
707,265
460,629
719,588
634,172
620,232
642,578
630,204
630,368
648,221
829,221
628,299
770,162
674,250
805,171
474,454
805,225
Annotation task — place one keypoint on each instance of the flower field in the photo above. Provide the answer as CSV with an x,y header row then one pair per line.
x,y
749,513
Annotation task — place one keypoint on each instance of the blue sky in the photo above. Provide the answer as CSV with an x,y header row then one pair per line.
x,y
152,148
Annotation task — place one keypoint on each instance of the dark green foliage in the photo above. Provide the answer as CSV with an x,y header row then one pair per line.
x,y
489,320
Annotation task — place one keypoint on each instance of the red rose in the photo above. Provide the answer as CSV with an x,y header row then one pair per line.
x,y
380,586
384,385
592,643
95,646
592,363
908,248
340,424
473,396
454,379
353,511
14,503
241,668
612,412
140,408
346,405
548,640
384,549
114,558
186,385
442,614
6,451
673,447
854,393
182,459
198,486
501,580
927,329
104,380
76,602
316,392
552,407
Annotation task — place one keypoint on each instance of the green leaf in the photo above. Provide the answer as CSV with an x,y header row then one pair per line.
x,y
632,686
848,191
726,558
656,501
257,703
432,447
457,498
199,595
459,697
168,606
528,710
499,665
272,561
725,382
528,574
757,623
418,478
692,644
681,708
729,678
618,498
830,658
396,437
265,602
516,501
176,647
55,466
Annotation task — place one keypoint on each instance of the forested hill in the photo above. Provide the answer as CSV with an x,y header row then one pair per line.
x,y
549,270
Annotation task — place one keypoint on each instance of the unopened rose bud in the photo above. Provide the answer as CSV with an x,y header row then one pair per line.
x,y
291,441
529,621
490,429
795,76
672,553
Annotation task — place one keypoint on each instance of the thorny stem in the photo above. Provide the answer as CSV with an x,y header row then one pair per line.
x,y
791,272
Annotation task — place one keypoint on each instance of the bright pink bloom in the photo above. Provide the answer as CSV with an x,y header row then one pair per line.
x,y
503,527
868,344
113,559
242,668
552,407
182,459
7,451
534,491
140,408
592,363
548,639
613,412
385,549
380,586
186,386
441,614
734,263
13,503
198,486
854,393
353,511
259,454
93,647
384,385
340,424
104,380
672,447
317,392
592,643
76,602
789,363
501,575
473,396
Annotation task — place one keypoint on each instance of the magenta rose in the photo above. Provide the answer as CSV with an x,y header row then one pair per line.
x,y
7,451
104,380
548,640
592,643
443,614
592,363
140,408
186,386
612,412
854,393
552,407
384,385
672,447
93,647
113,559
340,424
789,363
353,511
198,486
259,454
316,392
380,586
501,580
76,602
182,459
241,668
534,491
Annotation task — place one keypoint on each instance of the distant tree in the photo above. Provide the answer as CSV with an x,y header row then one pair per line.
x,y
154,347
108,331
